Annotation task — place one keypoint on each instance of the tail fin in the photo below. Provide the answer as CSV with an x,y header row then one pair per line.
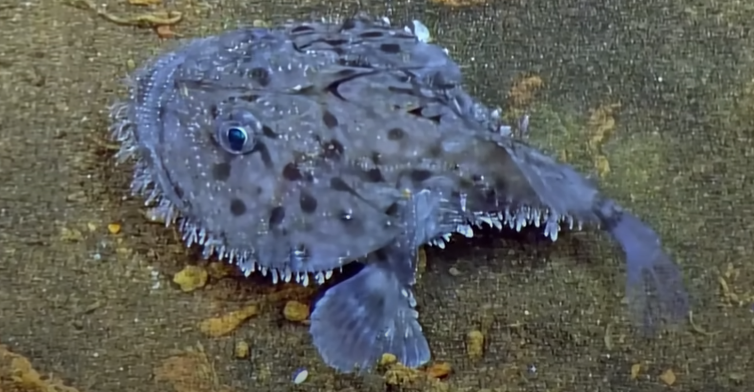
x,y
654,285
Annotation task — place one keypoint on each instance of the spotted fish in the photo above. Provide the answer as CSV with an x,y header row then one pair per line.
x,y
298,149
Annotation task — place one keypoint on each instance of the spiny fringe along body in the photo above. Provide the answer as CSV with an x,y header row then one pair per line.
x,y
297,149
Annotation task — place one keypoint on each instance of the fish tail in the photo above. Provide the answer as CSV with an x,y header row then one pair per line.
x,y
654,284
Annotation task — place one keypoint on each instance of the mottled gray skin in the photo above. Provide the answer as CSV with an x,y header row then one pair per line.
x,y
299,149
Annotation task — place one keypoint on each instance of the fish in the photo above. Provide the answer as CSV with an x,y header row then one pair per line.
x,y
295,150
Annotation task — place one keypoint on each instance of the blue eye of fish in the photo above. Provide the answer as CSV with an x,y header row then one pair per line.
x,y
237,138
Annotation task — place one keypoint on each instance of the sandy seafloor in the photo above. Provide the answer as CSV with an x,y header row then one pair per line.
x,y
654,98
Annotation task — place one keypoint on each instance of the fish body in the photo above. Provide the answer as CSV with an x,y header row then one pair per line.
x,y
298,149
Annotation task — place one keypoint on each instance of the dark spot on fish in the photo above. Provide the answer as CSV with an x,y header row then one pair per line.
x,y
301,29
292,173
438,80
267,131
349,24
434,151
161,111
396,134
339,185
376,157
420,175
400,90
371,34
248,97
346,73
501,185
276,217
435,119
490,195
148,159
178,191
374,175
261,76
221,171
390,48
403,78
380,255
465,183
237,207
307,202
455,195
419,112
333,149
336,42
342,76
392,210
329,119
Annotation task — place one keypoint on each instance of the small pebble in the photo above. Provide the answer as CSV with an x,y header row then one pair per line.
x,y
388,359
191,278
475,344
71,235
296,311
668,377
227,323
439,370
242,350
453,271
635,369
301,376
113,228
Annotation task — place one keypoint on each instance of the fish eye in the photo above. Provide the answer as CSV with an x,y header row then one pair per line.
x,y
237,138
237,132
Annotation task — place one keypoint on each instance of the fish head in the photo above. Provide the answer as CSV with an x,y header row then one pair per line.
x,y
250,165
